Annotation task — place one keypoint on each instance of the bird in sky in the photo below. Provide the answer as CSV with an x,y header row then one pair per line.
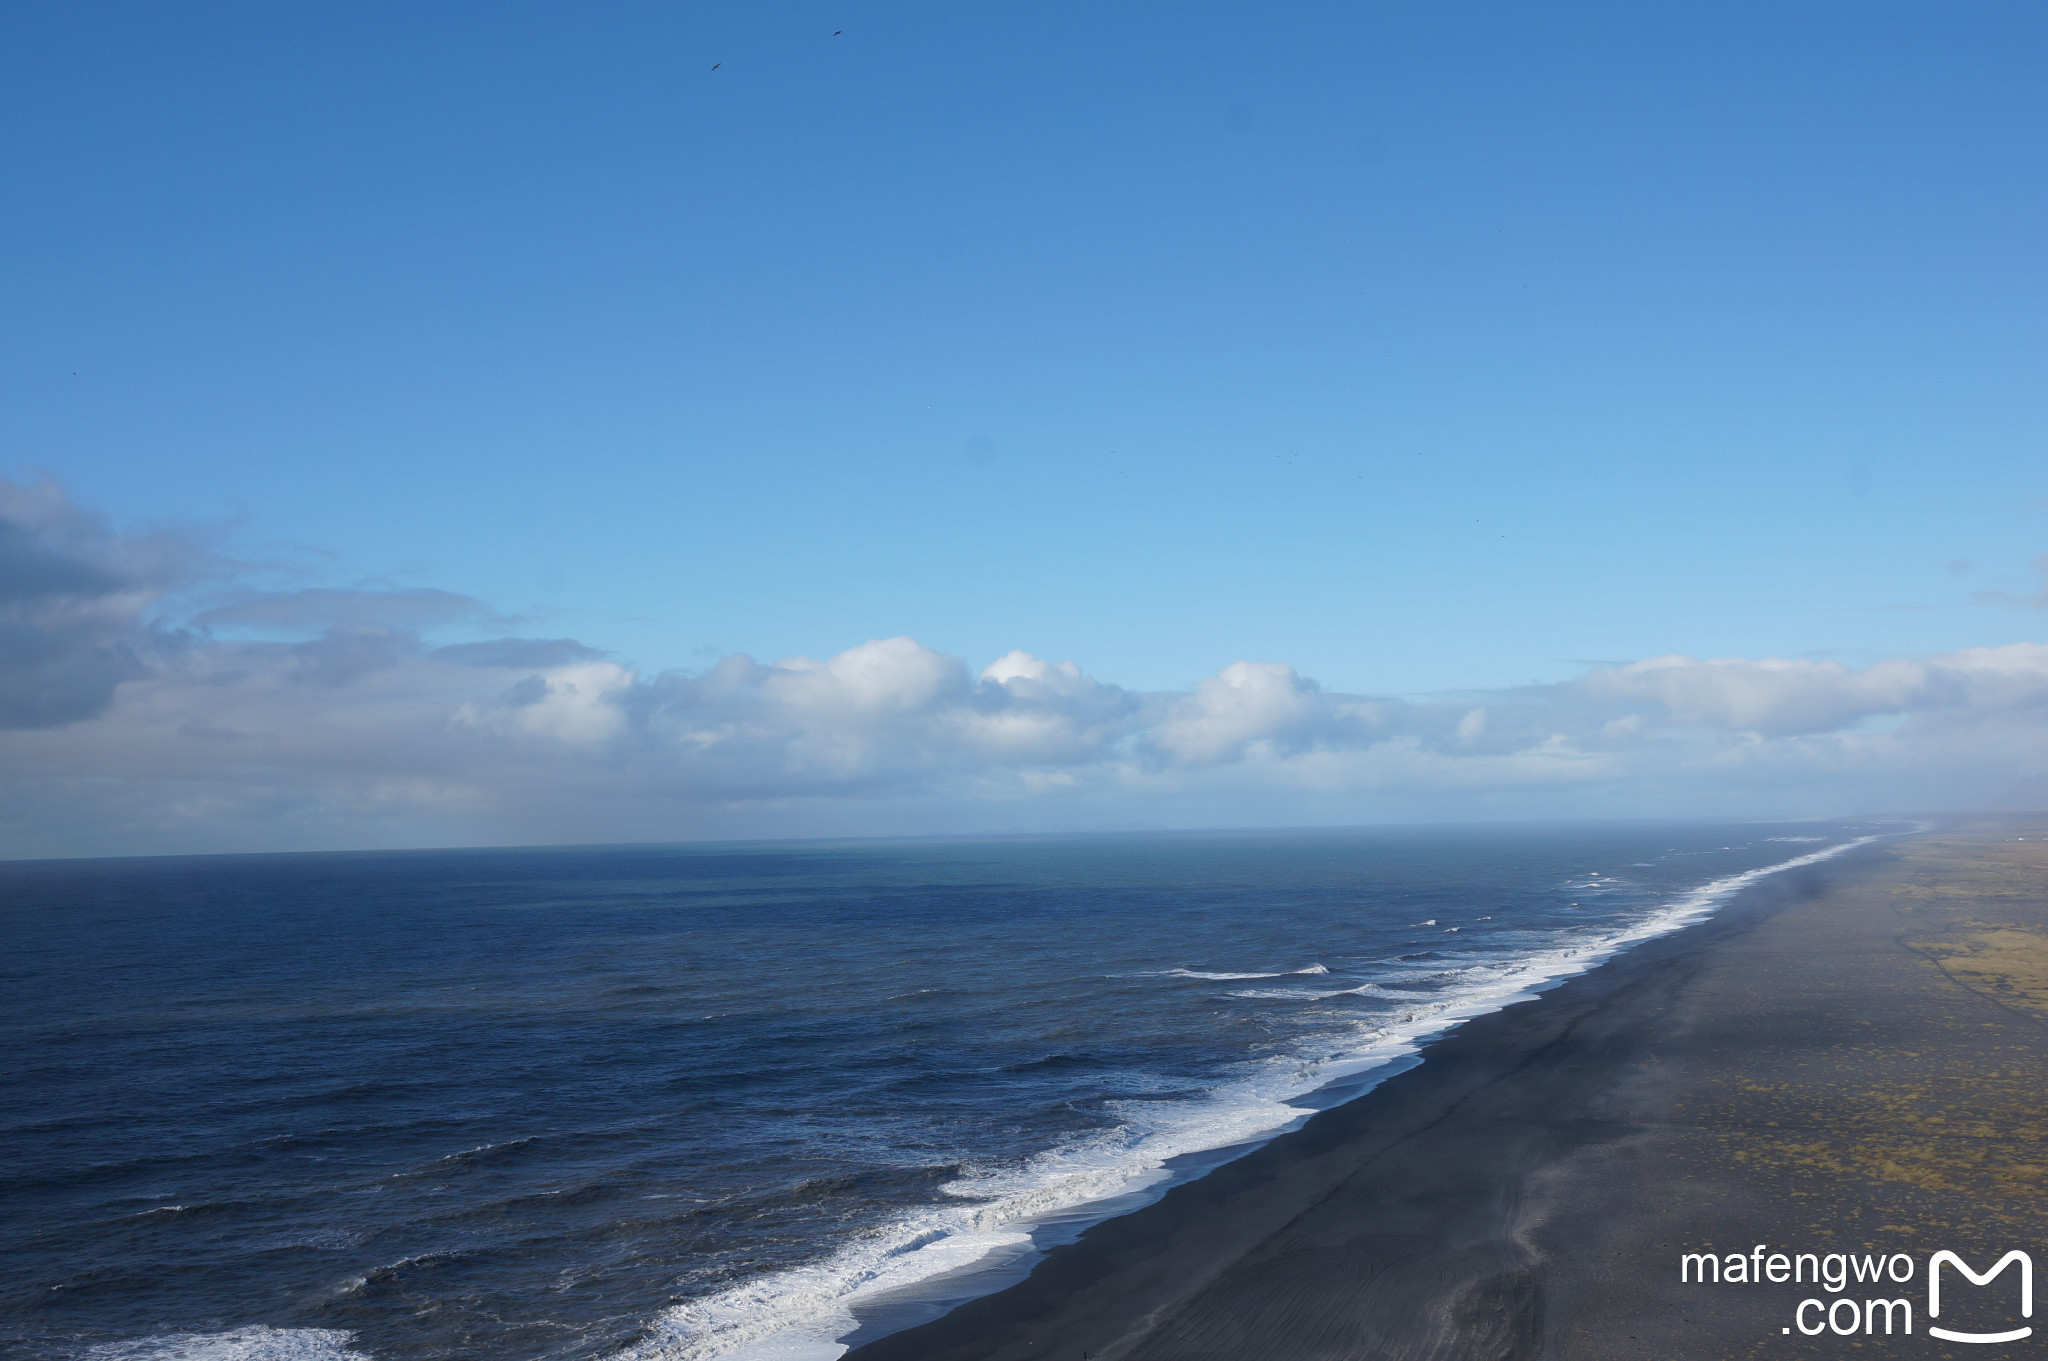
x,y
716,64
837,31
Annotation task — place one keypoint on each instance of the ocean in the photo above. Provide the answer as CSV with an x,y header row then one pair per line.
x,y
747,1100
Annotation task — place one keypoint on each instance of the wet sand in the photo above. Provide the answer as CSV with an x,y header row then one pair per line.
x,y
1849,1058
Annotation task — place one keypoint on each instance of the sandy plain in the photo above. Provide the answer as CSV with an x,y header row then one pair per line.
x,y
1850,1058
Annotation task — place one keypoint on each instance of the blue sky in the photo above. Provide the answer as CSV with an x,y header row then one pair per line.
x,y
1418,348
1422,347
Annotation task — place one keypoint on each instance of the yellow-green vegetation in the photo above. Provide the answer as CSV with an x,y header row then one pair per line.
x,y
1974,1136
2008,962
1958,1114
1977,908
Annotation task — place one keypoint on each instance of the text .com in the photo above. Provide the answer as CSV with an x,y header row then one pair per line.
x,y
1880,1307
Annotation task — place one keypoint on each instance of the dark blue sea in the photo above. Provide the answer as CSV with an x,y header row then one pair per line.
x,y
733,1100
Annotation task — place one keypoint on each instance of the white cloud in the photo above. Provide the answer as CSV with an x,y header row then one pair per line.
x,y
1252,707
128,733
576,704
1772,695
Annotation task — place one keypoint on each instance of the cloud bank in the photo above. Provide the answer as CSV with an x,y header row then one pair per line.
x,y
327,718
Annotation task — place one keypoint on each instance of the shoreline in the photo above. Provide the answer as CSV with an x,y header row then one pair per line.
x,y
1005,1267
1411,1218
989,1249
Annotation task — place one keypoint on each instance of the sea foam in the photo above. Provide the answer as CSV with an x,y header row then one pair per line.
x,y
799,1314
256,1343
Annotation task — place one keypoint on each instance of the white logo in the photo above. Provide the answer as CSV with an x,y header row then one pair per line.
x,y
1934,1294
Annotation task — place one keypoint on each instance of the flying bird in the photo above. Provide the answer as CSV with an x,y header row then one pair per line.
x,y
837,31
716,64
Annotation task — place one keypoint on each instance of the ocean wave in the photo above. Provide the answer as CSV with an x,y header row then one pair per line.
x,y
393,1272
1375,990
468,1157
1281,994
1379,990
308,1240
797,1314
256,1343
194,1209
1234,977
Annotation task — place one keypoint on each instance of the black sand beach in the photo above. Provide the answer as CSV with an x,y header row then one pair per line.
x,y
1850,1058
